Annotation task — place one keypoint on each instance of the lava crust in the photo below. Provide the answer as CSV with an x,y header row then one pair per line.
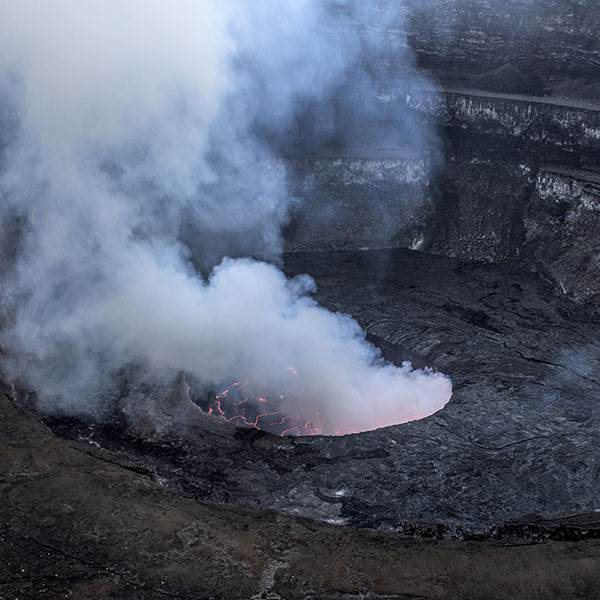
x,y
516,438
120,513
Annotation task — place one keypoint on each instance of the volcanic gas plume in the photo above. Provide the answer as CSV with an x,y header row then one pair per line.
x,y
140,171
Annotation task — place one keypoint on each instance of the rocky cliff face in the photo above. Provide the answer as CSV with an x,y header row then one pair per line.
x,y
524,128
552,42
360,203
519,178
519,186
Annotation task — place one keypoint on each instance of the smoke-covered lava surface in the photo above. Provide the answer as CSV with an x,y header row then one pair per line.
x,y
280,415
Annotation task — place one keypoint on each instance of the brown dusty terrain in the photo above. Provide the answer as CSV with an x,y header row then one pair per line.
x,y
76,526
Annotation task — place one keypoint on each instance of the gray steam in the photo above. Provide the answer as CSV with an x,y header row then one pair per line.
x,y
139,150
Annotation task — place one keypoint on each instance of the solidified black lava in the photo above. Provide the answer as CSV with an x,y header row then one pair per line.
x,y
517,437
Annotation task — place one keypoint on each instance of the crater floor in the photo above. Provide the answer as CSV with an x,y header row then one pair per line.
x,y
519,437
519,434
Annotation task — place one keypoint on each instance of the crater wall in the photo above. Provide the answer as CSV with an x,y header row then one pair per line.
x,y
519,180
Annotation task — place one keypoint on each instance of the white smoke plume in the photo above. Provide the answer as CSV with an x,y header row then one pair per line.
x,y
138,151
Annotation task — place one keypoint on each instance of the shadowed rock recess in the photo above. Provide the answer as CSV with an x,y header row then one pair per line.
x,y
483,265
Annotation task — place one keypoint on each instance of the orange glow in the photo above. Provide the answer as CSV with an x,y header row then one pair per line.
x,y
242,407
280,414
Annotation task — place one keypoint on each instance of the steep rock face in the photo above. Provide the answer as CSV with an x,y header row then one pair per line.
x,y
519,185
520,171
523,128
357,202
502,196
520,182
562,230
558,39
479,211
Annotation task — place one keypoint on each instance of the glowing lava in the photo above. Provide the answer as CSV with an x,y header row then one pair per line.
x,y
291,413
243,407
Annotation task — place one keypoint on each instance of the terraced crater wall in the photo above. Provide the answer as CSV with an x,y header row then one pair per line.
x,y
552,45
518,181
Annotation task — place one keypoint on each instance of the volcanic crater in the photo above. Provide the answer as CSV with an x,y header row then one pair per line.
x,y
493,282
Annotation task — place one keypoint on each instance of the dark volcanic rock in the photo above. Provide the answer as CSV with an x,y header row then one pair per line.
x,y
461,39
519,186
525,128
524,407
517,437
108,512
519,181
358,202
79,522
509,80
